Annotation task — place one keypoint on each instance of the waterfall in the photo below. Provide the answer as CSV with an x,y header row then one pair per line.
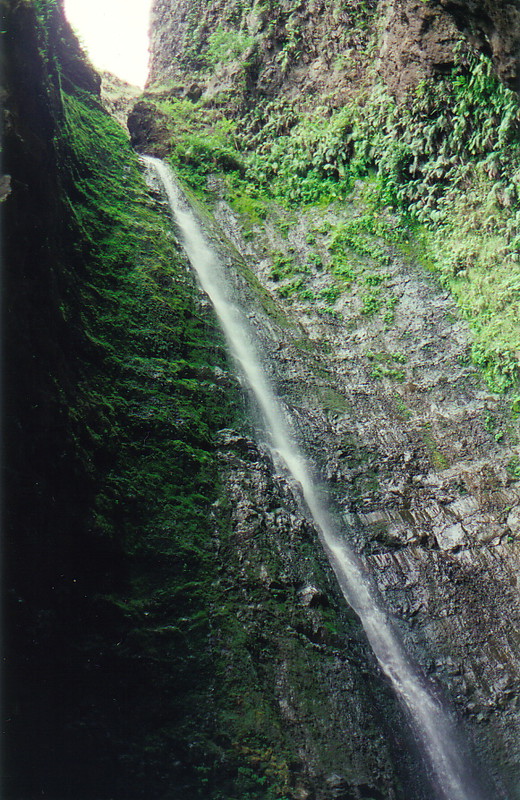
x,y
450,769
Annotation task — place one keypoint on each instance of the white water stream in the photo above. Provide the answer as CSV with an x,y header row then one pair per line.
x,y
434,729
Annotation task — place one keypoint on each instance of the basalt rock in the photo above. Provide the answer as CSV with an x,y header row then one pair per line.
x,y
494,27
418,41
301,53
160,628
118,97
417,462
158,641
149,130
314,50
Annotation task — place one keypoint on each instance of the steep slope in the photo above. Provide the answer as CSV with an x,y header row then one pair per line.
x,y
495,27
238,51
347,174
171,629
108,358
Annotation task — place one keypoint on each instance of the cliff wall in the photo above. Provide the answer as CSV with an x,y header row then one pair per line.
x,y
364,158
171,628
315,51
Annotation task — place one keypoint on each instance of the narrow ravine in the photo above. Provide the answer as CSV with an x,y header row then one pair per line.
x,y
453,774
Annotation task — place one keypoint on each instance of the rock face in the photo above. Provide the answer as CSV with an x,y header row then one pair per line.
x,y
175,630
300,52
495,28
149,132
315,49
418,41
118,97
417,460
419,457
332,714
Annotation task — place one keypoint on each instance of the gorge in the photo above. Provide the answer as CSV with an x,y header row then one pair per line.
x,y
430,721
173,627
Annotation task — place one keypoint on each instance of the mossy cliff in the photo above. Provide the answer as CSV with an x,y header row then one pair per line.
x,y
171,630
111,402
406,96
364,159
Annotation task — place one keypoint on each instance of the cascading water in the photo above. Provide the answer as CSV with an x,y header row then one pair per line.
x,y
451,773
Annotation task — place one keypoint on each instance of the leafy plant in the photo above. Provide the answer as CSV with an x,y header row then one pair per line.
x,y
372,303
227,45
513,467
381,371
283,267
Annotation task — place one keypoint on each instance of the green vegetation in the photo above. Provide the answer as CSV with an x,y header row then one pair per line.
x,y
202,141
384,366
401,408
283,267
307,165
513,468
227,45
174,687
161,645
447,160
152,407
153,412
372,303
437,458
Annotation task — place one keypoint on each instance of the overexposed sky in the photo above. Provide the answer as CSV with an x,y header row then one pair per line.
x,y
114,33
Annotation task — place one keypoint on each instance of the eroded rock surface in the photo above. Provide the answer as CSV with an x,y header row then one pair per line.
x,y
300,52
312,662
118,97
418,41
314,49
494,25
417,452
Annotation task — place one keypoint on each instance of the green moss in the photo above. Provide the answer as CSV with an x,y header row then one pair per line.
x,y
437,458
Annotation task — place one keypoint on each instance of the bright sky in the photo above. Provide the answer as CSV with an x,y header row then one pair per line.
x,y
115,35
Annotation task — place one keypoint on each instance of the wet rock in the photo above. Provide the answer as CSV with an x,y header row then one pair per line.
x,y
149,130
312,597
330,60
339,788
513,521
5,187
493,26
232,440
424,489
194,92
301,793
451,537
118,97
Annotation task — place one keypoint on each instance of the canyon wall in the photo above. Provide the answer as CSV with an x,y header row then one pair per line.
x,y
173,629
333,98
316,51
